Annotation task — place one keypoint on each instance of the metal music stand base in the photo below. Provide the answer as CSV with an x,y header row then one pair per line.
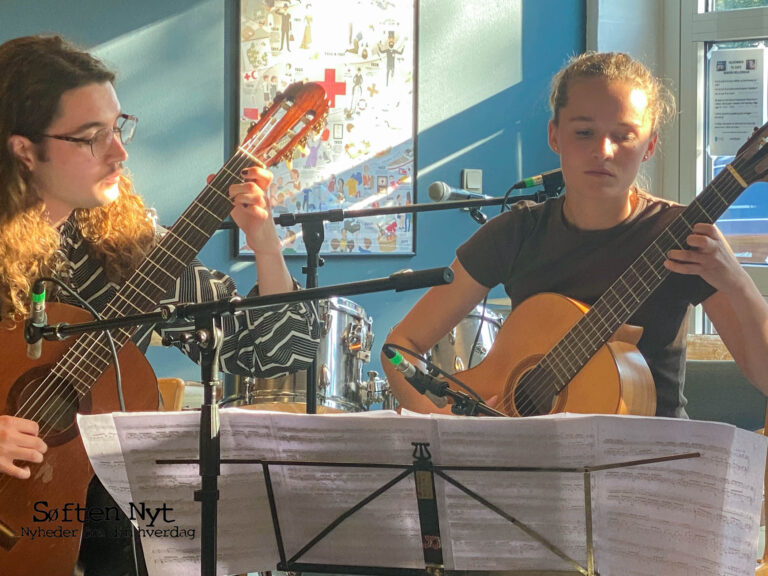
x,y
424,473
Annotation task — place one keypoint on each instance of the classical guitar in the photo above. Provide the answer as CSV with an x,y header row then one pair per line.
x,y
41,518
582,359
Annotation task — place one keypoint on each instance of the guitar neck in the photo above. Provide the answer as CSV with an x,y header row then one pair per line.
x,y
625,296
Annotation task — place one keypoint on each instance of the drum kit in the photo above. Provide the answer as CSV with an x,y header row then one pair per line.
x,y
345,347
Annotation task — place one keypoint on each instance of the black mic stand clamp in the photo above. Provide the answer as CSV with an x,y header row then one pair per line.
x,y
466,405
33,333
478,215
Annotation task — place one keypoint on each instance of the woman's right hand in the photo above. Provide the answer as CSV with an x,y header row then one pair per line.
x,y
19,441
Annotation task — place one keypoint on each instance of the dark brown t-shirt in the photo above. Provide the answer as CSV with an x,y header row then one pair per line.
x,y
532,249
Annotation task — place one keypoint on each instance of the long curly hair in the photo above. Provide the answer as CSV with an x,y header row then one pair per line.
x,y
34,73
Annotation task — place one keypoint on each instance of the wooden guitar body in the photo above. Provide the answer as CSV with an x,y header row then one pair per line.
x,y
51,504
616,380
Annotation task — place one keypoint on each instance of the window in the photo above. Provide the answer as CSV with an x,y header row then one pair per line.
x,y
723,5
719,36
735,74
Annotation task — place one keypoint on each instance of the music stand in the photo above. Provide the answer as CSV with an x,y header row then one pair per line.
x,y
424,472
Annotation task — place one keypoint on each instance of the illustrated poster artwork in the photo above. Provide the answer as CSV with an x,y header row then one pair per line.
x,y
362,53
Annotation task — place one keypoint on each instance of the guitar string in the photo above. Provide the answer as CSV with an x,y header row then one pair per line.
x,y
562,363
640,278
540,381
246,158
164,261
42,402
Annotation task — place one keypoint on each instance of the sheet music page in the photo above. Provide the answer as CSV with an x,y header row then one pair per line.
x,y
385,532
695,516
100,440
699,516
308,498
550,503
171,544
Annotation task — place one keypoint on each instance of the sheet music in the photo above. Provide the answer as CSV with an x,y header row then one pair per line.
x,y
550,503
102,440
700,516
697,516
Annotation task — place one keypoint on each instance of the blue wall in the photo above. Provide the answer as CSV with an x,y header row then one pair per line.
x,y
176,63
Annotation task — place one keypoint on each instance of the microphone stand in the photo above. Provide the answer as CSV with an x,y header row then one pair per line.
x,y
208,334
339,214
313,232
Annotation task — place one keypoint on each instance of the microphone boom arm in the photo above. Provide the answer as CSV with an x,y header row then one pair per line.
x,y
338,215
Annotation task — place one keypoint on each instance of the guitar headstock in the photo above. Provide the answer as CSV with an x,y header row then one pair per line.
x,y
299,109
751,161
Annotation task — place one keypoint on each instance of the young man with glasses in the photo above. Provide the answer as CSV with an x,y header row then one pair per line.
x,y
68,210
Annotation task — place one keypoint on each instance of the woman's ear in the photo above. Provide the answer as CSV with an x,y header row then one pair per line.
x,y
651,148
552,137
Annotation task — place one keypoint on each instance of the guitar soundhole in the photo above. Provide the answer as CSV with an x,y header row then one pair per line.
x,y
50,401
535,395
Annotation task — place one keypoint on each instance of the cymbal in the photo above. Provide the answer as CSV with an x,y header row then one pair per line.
x,y
506,301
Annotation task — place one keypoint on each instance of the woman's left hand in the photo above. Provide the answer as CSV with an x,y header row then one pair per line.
x,y
252,212
709,256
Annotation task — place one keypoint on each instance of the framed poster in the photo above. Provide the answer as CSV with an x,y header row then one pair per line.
x,y
363,54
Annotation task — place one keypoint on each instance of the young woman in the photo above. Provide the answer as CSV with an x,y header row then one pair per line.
x,y
607,110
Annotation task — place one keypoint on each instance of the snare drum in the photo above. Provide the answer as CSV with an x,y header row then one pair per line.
x,y
345,345
452,352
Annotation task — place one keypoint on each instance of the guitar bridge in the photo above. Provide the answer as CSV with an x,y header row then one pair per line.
x,y
8,537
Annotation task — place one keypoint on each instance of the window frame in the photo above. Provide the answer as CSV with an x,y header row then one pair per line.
x,y
696,28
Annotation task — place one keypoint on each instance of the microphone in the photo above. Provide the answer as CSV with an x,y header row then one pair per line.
x,y
550,180
36,321
426,384
441,192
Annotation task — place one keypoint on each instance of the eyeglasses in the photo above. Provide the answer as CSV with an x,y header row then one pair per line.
x,y
101,141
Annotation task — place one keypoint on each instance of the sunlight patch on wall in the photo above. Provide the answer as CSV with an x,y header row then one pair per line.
x,y
463,58
425,170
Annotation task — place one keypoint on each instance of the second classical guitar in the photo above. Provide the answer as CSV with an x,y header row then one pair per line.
x,y
581,359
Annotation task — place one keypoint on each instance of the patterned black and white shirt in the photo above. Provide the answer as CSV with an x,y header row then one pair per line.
x,y
265,342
